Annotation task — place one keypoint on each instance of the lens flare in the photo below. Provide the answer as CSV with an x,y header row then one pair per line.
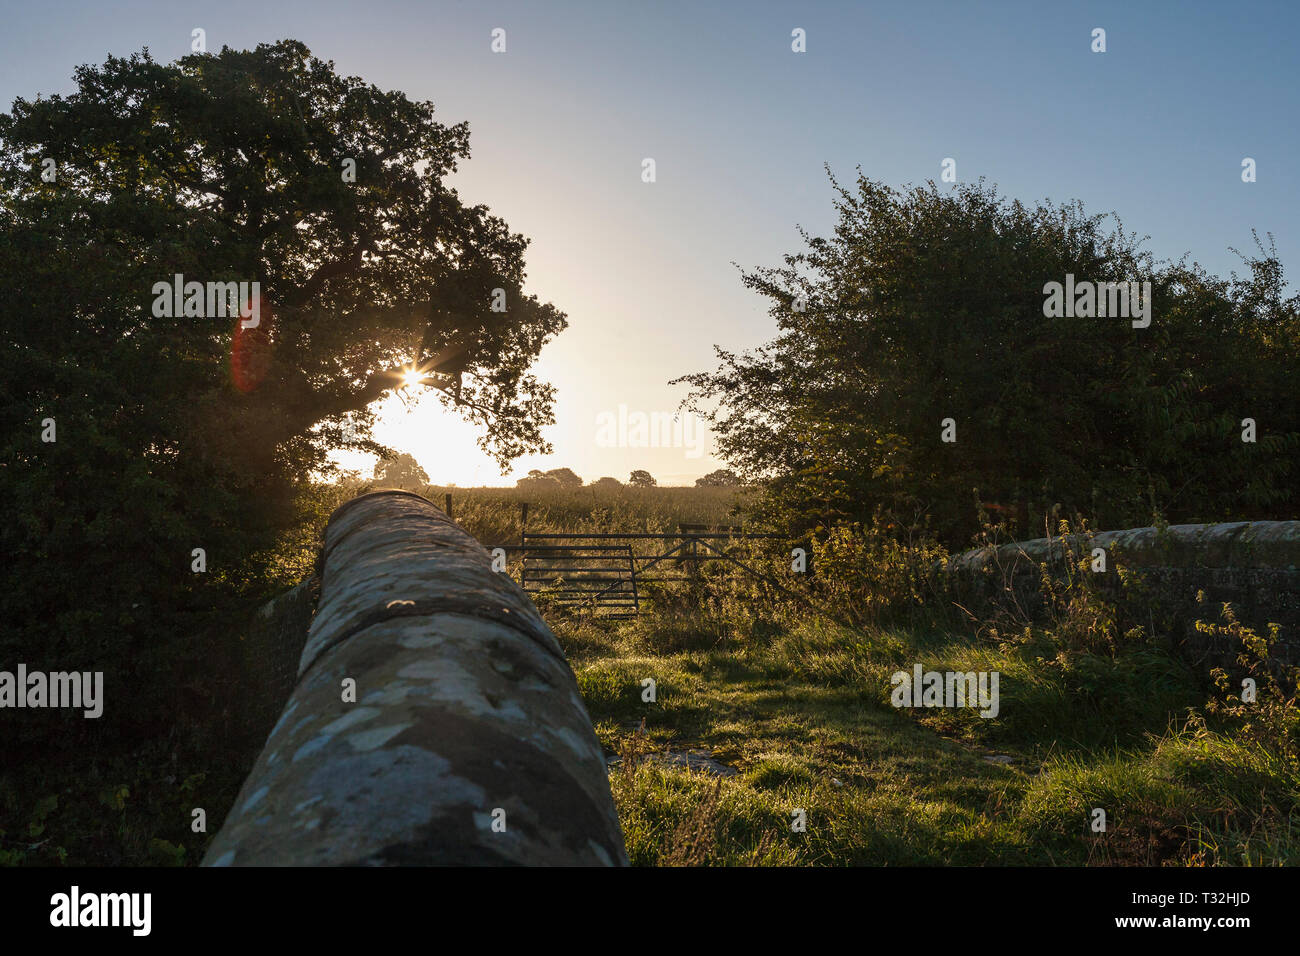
x,y
250,346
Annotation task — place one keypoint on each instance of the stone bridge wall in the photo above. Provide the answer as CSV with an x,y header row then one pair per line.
x,y
432,718
1254,566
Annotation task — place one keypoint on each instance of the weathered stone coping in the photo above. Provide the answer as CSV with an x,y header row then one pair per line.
x,y
467,741
1241,544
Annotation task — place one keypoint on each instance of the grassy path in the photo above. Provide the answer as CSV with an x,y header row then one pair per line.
x,y
804,718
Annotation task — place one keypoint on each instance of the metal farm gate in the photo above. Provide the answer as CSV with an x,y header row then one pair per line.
x,y
603,574
605,571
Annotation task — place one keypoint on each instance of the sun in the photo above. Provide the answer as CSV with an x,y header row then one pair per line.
x,y
411,378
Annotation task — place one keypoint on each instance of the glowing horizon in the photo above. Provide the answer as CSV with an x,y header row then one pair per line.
x,y
445,446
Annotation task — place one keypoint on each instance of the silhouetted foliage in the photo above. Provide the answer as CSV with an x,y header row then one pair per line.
x,y
536,478
721,478
567,477
561,477
402,471
928,304
182,432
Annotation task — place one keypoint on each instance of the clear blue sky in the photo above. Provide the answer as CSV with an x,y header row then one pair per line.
x,y
740,127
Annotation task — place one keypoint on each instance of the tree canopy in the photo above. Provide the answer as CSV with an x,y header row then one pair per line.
x,y
927,305
563,477
720,478
401,471
176,431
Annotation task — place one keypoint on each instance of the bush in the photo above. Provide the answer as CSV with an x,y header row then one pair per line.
x,y
870,575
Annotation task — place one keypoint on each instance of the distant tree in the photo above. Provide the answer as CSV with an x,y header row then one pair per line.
x,y
401,471
642,479
566,477
722,478
607,484
537,479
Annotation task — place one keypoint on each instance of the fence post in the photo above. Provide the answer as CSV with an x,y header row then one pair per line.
x,y
447,509
435,719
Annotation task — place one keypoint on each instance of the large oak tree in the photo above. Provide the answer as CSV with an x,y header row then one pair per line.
x,y
176,432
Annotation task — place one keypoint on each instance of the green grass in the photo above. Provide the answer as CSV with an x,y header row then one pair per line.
x,y
806,720
800,707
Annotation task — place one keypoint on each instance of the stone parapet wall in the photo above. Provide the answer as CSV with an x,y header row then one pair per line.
x,y
432,720
1252,565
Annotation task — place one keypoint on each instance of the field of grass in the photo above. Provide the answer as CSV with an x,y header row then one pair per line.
x,y
793,713
493,514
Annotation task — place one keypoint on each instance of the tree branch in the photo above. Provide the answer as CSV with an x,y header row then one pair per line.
x,y
348,262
